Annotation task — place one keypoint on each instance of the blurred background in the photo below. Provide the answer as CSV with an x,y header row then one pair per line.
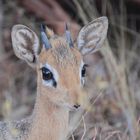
x,y
113,75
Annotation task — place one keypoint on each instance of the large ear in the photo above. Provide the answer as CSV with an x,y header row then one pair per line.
x,y
92,35
25,44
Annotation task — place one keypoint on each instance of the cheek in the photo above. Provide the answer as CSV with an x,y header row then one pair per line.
x,y
55,95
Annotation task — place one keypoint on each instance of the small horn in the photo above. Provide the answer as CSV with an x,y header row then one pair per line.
x,y
44,37
68,36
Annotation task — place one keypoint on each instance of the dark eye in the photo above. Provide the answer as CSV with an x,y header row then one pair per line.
x,y
47,74
83,72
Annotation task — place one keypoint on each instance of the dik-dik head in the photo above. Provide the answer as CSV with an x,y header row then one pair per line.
x,y
59,61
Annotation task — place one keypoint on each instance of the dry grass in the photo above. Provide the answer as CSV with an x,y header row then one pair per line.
x,y
119,67
113,84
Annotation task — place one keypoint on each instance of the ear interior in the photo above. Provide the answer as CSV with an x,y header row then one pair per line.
x,y
92,35
25,43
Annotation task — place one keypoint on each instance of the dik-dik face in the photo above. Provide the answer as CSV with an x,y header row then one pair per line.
x,y
59,61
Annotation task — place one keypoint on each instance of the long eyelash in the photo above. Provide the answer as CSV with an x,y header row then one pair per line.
x,y
86,65
40,68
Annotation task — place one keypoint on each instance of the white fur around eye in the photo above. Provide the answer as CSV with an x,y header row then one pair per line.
x,y
55,73
47,83
55,76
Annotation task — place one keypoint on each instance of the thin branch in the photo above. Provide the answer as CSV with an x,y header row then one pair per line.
x,y
85,129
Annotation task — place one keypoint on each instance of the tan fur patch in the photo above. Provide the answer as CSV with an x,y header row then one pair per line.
x,y
66,61
61,53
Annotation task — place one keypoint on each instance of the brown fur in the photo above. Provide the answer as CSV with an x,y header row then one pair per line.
x,y
51,115
67,62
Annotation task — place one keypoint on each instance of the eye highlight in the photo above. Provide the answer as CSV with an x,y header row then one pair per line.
x,y
46,74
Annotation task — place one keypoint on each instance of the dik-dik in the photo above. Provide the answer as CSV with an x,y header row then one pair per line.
x,y
61,74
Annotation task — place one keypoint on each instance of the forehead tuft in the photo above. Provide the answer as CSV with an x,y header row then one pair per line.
x,y
61,53
61,50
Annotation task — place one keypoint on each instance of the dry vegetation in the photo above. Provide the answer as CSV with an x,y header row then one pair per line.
x,y
113,75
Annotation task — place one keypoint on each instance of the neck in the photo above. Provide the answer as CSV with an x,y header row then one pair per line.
x,y
50,122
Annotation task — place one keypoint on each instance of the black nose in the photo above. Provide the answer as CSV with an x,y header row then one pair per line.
x,y
76,106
